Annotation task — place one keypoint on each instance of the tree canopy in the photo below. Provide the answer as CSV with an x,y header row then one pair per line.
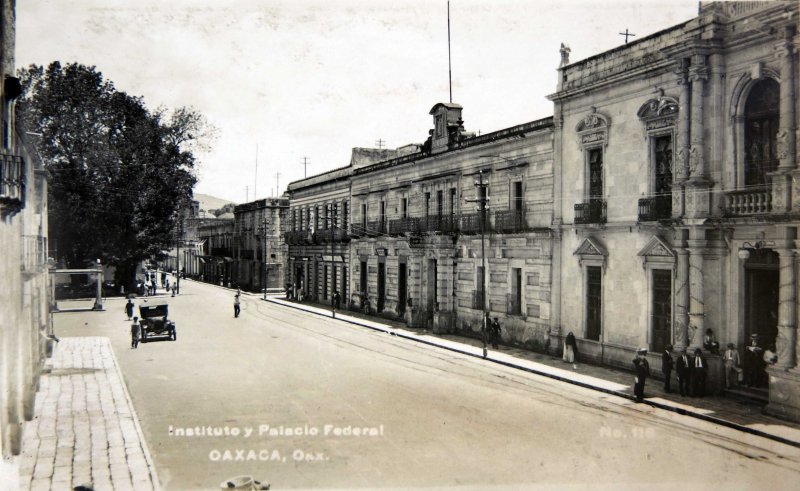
x,y
118,174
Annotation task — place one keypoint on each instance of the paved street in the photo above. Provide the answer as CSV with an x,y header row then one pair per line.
x,y
305,386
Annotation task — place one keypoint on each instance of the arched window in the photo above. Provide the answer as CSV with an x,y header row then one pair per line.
x,y
760,131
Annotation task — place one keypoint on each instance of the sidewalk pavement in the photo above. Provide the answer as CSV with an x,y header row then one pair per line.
x,y
85,430
740,415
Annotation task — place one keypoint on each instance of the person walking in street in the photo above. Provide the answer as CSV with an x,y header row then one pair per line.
x,y
666,367
642,369
129,308
570,352
494,332
699,371
683,368
335,300
732,366
135,331
236,306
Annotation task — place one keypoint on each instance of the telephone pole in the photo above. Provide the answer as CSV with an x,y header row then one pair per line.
x,y
305,166
482,198
264,227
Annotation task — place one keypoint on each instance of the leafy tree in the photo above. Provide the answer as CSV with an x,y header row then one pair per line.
x,y
119,174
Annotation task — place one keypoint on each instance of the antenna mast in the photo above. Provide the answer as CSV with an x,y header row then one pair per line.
x,y
449,66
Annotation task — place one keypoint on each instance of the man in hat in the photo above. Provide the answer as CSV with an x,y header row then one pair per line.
x,y
666,367
699,371
753,360
732,363
642,369
684,371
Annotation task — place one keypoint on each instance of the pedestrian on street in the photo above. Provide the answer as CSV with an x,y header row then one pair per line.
x,y
335,300
732,366
642,369
753,362
236,307
495,332
666,367
699,371
174,287
683,367
135,331
570,352
129,308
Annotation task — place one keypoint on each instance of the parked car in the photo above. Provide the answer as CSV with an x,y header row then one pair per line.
x,y
154,322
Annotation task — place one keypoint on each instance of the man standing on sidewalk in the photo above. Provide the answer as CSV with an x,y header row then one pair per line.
x,y
666,367
642,369
236,306
684,369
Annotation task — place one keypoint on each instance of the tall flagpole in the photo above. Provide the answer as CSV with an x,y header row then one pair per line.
x,y
255,179
449,66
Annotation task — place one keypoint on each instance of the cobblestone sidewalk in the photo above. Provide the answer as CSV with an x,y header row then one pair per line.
x,y
85,430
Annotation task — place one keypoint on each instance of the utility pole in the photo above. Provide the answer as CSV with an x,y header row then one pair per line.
x,y
380,143
178,252
305,165
482,198
277,183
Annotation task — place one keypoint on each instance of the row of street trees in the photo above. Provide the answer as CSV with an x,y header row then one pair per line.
x,y
119,174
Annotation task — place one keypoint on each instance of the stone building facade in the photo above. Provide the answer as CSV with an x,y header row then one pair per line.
x,y
317,235
416,249
217,239
678,192
25,297
258,223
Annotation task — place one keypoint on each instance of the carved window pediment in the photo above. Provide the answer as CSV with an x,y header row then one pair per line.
x,y
657,250
592,251
659,113
593,129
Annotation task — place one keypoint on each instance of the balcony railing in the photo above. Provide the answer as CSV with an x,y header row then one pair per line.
x,y
247,254
221,252
405,225
471,223
376,227
510,221
658,207
295,237
513,304
752,201
439,223
592,211
34,253
478,299
358,229
12,181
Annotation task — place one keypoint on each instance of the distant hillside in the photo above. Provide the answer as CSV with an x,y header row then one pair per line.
x,y
209,203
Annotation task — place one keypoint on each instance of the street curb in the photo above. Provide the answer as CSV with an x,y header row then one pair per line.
x,y
147,457
659,405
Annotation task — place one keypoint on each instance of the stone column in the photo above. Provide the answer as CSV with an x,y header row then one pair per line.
x,y
682,160
787,324
698,74
697,245
786,144
682,300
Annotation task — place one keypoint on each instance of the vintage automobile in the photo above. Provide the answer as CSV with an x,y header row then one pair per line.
x,y
153,319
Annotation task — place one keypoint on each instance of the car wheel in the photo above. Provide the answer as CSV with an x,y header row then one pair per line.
x,y
144,336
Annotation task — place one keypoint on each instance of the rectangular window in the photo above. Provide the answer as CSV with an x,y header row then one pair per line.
x,y
515,304
594,302
327,220
404,208
453,203
427,204
346,214
596,174
516,196
439,203
364,216
382,224
661,309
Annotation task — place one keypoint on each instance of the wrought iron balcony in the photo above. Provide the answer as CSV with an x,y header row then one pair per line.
x,y
439,223
339,235
471,223
753,201
592,211
12,183
376,227
478,299
358,229
295,237
405,225
653,208
510,221
513,304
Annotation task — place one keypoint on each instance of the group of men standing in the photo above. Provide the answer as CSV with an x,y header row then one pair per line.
x,y
691,370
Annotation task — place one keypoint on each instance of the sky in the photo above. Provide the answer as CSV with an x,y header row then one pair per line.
x,y
287,80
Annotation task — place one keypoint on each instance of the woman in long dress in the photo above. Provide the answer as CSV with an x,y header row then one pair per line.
x,y
570,348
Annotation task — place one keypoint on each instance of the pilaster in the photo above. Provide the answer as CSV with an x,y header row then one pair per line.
x,y
697,245
787,301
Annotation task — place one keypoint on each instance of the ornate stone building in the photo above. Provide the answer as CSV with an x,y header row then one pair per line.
x,y
25,297
678,192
